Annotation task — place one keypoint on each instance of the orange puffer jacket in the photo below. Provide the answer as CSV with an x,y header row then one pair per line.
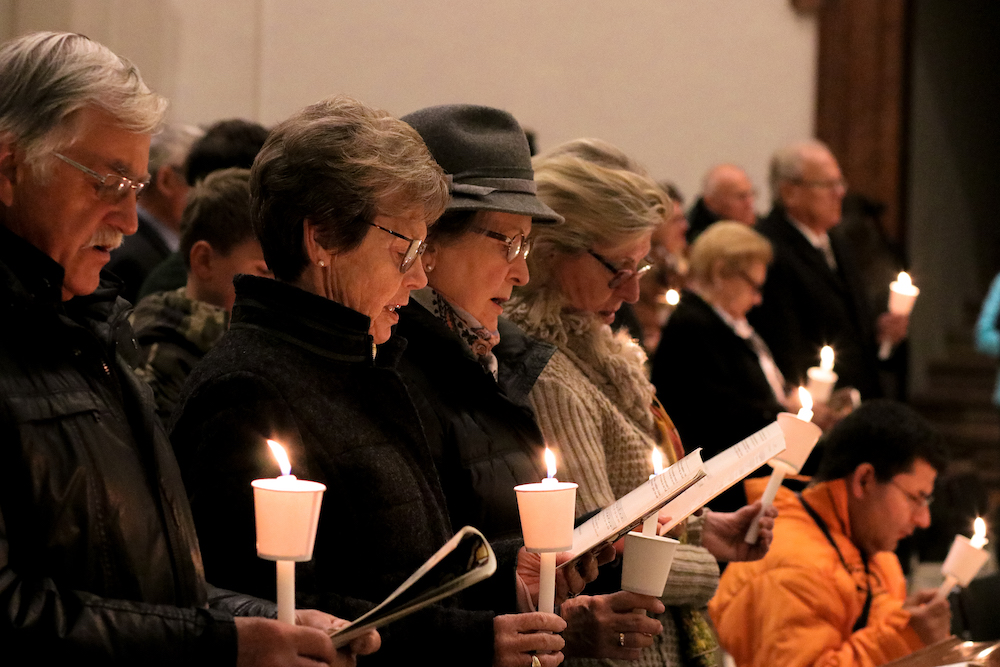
x,y
798,605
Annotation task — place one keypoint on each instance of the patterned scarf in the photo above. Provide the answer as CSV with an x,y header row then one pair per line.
x,y
479,339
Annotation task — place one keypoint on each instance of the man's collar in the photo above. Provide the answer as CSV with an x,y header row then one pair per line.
x,y
170,237
818,240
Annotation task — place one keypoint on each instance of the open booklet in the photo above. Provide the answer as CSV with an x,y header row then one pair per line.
x,y
631,509
725,469
465,559
694,485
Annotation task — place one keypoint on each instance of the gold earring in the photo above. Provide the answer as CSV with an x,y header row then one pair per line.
x,y
428,268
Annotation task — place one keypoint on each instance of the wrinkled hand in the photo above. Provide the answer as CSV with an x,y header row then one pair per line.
x,y
724,533
519,636
570,580
930,619
595,624
366,644
891,327
263,642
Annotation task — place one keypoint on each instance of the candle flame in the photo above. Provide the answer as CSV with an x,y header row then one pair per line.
x,y
550,462
979,539
657,461
904,279
672,297
826,358
281,456
805,398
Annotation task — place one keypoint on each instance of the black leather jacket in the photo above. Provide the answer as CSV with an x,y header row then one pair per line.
x,y
98,553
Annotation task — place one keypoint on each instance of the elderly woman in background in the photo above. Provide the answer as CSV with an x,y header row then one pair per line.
x,y
714,374
471,369
593,399
342,196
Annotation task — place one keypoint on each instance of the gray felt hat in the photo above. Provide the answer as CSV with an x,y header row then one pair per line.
x,y
485,154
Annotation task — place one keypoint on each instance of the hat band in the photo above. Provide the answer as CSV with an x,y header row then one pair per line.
x,y
481,187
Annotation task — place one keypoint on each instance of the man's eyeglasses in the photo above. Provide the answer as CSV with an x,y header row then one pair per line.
x,y
831,184
621,275
111,188
415,249
918,500
516,245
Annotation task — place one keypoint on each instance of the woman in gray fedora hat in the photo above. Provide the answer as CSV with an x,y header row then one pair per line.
x,y
471,370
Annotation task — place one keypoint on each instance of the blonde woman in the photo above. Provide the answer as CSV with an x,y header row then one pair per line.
x,y
592,399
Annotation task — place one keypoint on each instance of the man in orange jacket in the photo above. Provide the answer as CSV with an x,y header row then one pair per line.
x,y
830,590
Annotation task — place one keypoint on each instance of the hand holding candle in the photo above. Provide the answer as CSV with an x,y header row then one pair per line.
x,y
286,511
801,435
965,558
822,378
547,511
902,295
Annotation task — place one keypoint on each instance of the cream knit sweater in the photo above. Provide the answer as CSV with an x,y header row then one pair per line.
x,y
592,403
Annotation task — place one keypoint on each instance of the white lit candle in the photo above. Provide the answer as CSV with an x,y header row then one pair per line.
x,y
822,378
672,297
965,558
547,511
902,295
650,525
286,511
801,435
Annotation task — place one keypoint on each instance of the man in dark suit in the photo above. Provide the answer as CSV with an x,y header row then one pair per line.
x,y
814,294
159,211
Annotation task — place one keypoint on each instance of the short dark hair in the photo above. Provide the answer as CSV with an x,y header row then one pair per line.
x,y
218,211
887,434
227,143
339,163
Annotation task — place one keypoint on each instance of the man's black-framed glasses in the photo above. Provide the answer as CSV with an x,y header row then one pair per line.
x,y
621,275
415,249
516,245
918,500
112,188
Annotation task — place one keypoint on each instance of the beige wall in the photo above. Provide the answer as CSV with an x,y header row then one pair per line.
x,y
677,84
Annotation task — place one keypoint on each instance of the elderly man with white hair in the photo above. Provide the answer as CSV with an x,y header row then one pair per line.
x,y
814,294
726,194
99,562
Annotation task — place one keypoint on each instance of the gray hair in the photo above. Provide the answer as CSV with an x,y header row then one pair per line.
x,y
170,146
339,163
787,164
602,205
46,77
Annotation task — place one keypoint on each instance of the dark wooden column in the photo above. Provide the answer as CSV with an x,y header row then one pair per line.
x,y
861,97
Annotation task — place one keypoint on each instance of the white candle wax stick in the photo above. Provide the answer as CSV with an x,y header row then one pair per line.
x,y
547,583
945,590
773,484
286,591
650,525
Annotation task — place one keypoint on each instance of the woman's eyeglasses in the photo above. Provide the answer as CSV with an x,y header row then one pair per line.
x,y
516,245
415,249
111,188
621,275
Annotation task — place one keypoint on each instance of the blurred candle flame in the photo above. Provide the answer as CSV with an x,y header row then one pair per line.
x,y
672,297
826,358
904,279
657,461
550,463
979,539
281,456
806,400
